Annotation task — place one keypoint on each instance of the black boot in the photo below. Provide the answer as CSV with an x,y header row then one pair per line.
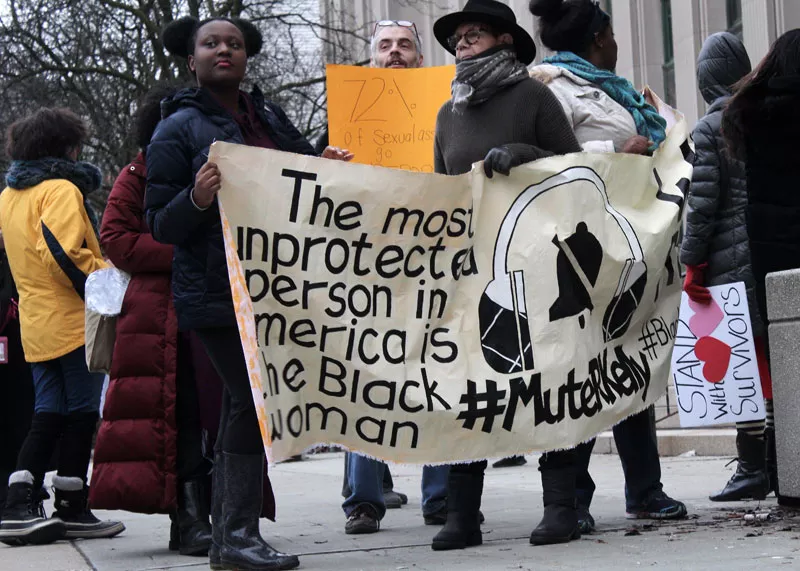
x,y
510,462
772,460
24,520
217,494
4,476
560,521
750,481
243,548
194,529
462,528
73,509
174,532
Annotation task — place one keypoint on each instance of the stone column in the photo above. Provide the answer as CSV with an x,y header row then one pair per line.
x,y
783,295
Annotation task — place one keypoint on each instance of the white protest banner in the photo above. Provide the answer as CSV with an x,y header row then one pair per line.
x,y
426,319
714,366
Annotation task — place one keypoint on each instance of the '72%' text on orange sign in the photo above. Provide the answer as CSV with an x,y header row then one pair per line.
x,y
387,117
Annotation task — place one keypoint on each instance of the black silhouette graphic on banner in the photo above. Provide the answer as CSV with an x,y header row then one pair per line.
x,y
577,267
502,313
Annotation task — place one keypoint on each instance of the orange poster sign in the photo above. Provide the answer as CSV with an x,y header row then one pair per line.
x,y
387,117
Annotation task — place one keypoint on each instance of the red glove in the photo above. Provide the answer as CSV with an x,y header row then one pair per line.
x,y
693,284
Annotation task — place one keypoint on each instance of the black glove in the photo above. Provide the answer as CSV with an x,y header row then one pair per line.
x,y
502,160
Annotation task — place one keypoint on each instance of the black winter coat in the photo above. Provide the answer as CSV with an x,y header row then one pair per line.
x,y
179,147
716,228
773,163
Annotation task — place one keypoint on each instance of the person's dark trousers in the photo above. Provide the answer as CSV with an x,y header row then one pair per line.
x,y
238,501
584,485
242,432
191,461
191,531
388,482
16,404
637,446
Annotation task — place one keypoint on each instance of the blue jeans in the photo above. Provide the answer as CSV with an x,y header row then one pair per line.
x,y
434,488
365,478
64,385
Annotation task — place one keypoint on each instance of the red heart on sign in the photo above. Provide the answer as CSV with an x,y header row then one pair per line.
x,y
716,355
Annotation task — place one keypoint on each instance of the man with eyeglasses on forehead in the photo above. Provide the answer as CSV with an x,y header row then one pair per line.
x,y
395,44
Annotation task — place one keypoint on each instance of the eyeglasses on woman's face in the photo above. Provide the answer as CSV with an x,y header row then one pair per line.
x,y
470,37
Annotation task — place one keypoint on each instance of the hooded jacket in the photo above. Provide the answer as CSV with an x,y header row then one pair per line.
x,y
52,247
193,120
716,229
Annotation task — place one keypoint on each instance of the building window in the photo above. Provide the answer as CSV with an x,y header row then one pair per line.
x,y
733,10
668,66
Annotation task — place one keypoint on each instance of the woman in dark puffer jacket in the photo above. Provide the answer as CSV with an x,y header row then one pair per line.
x,y
760,126
715,248
182,210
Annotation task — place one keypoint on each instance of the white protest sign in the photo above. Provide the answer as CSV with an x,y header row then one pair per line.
x,y
714,366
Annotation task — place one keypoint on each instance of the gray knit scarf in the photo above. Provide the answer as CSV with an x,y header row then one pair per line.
x,y
479,78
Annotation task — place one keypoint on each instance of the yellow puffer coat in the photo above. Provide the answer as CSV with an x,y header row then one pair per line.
x,y
51,248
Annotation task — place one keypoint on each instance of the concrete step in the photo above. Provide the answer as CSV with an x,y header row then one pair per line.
x,y
677,441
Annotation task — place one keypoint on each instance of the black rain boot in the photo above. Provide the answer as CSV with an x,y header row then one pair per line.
x,y
560,521
750,480
193,525
73,509
174,533
462,528
243,548
217,494
24,521
772,460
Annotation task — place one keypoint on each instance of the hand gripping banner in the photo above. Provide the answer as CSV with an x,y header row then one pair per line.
x,y
428,319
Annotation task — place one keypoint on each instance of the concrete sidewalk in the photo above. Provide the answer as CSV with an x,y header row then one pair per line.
x,y
311,524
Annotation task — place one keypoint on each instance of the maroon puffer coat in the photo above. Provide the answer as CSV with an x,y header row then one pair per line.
x,y
136,451
135,454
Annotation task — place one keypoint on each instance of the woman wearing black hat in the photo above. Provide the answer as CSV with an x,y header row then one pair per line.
x,y
608,115
182,210
500,115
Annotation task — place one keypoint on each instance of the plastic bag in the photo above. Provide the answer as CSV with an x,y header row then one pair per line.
x,y
105,290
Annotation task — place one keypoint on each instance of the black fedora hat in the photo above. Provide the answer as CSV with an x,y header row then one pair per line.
x,y
489,12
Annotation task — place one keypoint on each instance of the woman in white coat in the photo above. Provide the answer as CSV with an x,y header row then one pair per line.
x,y
608,115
